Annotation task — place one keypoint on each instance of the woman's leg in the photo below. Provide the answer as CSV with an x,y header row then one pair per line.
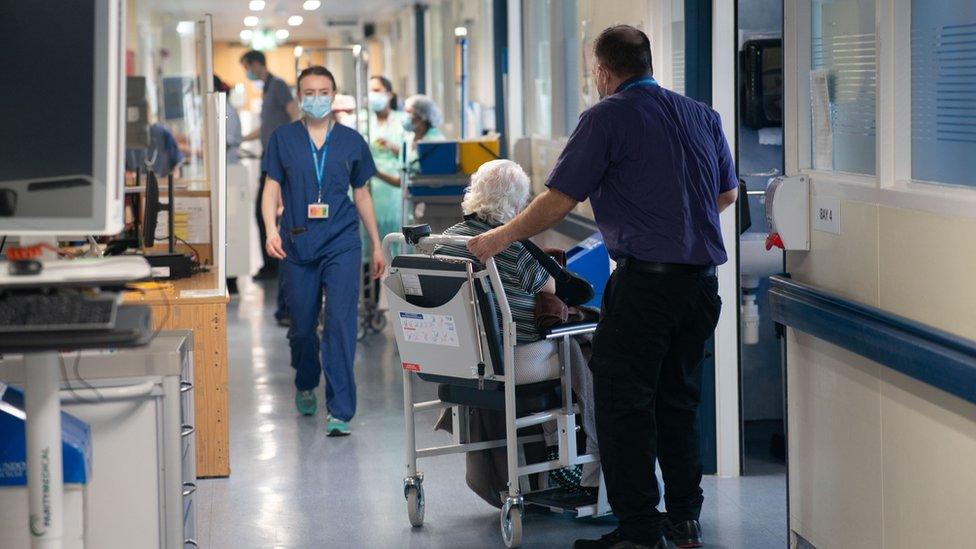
x,y
340,278
583,387
305,301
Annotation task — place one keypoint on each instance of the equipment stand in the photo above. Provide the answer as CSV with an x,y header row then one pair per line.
x,y
45,477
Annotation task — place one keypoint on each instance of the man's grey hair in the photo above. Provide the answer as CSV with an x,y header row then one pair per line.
x,y
425,108
499,191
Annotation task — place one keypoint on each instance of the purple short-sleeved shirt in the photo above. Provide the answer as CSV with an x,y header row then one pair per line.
x,y
652,162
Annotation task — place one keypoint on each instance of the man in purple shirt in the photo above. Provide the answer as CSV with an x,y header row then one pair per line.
x,y
657,170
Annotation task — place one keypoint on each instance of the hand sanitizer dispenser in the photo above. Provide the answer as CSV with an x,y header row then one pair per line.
x,y
788,213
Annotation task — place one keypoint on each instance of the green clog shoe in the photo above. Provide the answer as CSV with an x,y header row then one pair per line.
x,y
336,428
306,402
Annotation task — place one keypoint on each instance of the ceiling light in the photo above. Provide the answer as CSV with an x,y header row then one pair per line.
x,y
247,35
295,20
282,34
311,5
256,5
251,21
184,27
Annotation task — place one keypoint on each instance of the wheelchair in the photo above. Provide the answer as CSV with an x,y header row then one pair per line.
x,y
444,313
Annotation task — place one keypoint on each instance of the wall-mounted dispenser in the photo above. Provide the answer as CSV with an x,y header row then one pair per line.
x,y
788,213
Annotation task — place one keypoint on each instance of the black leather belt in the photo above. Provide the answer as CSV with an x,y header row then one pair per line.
x,y
656,267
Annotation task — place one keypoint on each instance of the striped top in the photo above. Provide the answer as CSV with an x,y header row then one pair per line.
x,y
521,275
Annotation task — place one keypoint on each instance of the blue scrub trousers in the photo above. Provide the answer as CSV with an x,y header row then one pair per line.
x,y
337,276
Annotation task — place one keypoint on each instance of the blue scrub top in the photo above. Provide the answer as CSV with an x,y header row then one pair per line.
x,y
288,160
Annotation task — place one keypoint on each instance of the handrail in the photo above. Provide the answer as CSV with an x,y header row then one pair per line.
x,y
927,354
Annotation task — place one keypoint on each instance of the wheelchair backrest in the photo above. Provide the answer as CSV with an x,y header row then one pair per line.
x,y
435,325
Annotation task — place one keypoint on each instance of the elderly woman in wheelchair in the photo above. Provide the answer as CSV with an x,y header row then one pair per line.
x,y
472,330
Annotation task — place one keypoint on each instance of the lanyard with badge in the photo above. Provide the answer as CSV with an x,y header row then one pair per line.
x,y
649,81
319,209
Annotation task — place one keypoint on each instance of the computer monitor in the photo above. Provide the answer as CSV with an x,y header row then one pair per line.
x,y
62,117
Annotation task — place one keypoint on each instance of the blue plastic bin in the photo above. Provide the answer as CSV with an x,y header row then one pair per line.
x,y
590,260
75,443
437,157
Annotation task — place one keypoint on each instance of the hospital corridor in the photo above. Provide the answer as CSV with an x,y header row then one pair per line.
x,y
581,274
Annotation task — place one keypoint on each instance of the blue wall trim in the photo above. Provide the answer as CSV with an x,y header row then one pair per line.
x,y
929,355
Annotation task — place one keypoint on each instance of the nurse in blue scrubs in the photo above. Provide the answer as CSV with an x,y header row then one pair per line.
x,y
311,165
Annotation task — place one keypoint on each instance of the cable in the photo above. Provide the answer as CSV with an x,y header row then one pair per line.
x,y
76,367
187,244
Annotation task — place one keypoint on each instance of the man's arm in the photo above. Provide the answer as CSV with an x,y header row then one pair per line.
x,y
292,109
727,198
548,209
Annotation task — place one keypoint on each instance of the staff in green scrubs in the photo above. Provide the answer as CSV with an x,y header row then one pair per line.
x,y
385,140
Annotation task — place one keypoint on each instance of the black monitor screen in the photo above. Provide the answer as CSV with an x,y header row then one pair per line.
x,y
46,106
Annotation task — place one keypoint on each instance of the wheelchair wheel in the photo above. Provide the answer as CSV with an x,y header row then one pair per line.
x,y
377,321
415,505
511,524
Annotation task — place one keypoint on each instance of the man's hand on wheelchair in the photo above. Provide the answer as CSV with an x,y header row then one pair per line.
x,y
488,245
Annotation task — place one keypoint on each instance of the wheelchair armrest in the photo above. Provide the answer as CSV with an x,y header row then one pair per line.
x,y
575,328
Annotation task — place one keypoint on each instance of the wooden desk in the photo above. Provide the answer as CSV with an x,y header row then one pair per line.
x,y
206,315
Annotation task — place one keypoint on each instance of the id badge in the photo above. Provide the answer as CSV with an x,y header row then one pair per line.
x,y
318,211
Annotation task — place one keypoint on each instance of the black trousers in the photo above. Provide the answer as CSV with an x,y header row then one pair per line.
x,y
647,354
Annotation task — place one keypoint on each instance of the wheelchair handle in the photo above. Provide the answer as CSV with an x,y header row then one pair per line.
x,y
432,240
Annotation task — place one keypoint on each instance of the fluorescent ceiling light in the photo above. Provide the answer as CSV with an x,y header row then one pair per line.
x,y
184,27
311,5
251,21
282,34
256,5
295,20
247,35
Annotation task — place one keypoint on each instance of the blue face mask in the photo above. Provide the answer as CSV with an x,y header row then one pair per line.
x,y
317,106
408,124
378,101
251,75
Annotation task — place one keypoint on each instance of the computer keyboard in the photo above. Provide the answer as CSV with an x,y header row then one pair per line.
x,y
56,312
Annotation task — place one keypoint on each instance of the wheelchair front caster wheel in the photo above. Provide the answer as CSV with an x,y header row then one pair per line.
x,y
511,523
377,322
415,505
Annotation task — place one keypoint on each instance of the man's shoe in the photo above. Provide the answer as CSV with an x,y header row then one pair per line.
x,y
336,428
616,540
306,402
687,534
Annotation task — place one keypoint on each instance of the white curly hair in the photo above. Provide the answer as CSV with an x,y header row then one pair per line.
x,y
499,191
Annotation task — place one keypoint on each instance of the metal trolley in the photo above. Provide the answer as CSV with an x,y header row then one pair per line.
x,y
447,332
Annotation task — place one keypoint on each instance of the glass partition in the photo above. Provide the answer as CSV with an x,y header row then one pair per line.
x,y
843,85
944,91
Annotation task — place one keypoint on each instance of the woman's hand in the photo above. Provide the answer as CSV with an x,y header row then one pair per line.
x,y
273,245
379,263
384,144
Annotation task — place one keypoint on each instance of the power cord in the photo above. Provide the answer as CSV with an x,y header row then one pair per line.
x,y
76,367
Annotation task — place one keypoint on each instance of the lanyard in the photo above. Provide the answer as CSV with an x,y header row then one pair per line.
x,y
649,81
319,164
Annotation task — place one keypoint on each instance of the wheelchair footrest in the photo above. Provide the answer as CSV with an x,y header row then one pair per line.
x,y
561,499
